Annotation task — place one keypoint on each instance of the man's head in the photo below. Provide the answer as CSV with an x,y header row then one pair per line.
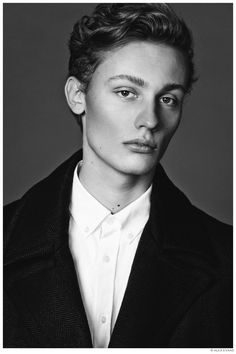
x,y
130,67
113,25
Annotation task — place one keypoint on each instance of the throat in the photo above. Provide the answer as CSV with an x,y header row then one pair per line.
x,y
113,193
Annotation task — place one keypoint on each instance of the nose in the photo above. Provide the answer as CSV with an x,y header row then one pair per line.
x,y
147,117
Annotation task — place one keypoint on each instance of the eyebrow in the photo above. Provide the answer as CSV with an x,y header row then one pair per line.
x,y
171,87
140,82
134,79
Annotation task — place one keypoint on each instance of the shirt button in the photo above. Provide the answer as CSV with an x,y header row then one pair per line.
x,y
130,235
103,319
86,229
106,258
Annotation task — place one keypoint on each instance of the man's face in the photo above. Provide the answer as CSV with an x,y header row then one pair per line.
x,y
133,107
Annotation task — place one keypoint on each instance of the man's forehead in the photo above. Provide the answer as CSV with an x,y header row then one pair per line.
x,y
142,63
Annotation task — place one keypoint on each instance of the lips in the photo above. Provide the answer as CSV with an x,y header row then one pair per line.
x,y
142,142
141,145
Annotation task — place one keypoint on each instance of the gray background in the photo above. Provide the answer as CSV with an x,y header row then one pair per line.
x,y
40,132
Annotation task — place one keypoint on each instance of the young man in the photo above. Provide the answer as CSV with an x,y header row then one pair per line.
x,y
106,251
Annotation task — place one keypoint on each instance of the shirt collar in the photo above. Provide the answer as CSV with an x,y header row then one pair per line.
x,y
89,213
135,215
86,210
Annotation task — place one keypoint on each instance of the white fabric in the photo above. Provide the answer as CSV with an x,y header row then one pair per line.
x,y
103,247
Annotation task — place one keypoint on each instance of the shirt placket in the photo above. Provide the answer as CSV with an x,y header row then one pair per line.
x,y
106,269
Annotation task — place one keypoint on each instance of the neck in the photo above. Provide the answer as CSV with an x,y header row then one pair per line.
x,y
112,188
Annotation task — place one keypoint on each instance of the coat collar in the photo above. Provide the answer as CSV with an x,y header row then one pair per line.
x,y
38,257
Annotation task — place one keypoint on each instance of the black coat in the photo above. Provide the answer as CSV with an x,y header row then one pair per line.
x,y
179,292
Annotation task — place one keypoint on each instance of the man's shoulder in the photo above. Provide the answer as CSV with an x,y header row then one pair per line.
x,y
10,212
209,221
60,175
187,228
10,209
41,202
212,240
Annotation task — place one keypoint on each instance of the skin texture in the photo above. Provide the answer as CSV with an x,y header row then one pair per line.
x,y
128,99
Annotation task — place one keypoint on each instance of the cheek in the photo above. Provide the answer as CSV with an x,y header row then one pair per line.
x,y
170,122
169,125
96,117
104,117
102,126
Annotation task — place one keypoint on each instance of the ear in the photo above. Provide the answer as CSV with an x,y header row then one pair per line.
x,y
75,95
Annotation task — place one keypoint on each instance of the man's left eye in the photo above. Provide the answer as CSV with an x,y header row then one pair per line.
x,y
168,100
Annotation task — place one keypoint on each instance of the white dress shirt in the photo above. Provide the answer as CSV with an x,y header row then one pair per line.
x,y
103,247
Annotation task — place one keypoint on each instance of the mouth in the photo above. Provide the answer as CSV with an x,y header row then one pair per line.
x,y
141,146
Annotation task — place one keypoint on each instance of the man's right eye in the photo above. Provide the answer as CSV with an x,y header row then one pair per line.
x,y
126,94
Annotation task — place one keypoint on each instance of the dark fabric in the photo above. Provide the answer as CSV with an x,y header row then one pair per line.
x,y
179,292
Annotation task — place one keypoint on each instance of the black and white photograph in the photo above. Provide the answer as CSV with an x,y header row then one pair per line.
x,y
118,175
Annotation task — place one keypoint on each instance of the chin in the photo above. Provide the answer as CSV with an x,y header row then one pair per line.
x,y
139,168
